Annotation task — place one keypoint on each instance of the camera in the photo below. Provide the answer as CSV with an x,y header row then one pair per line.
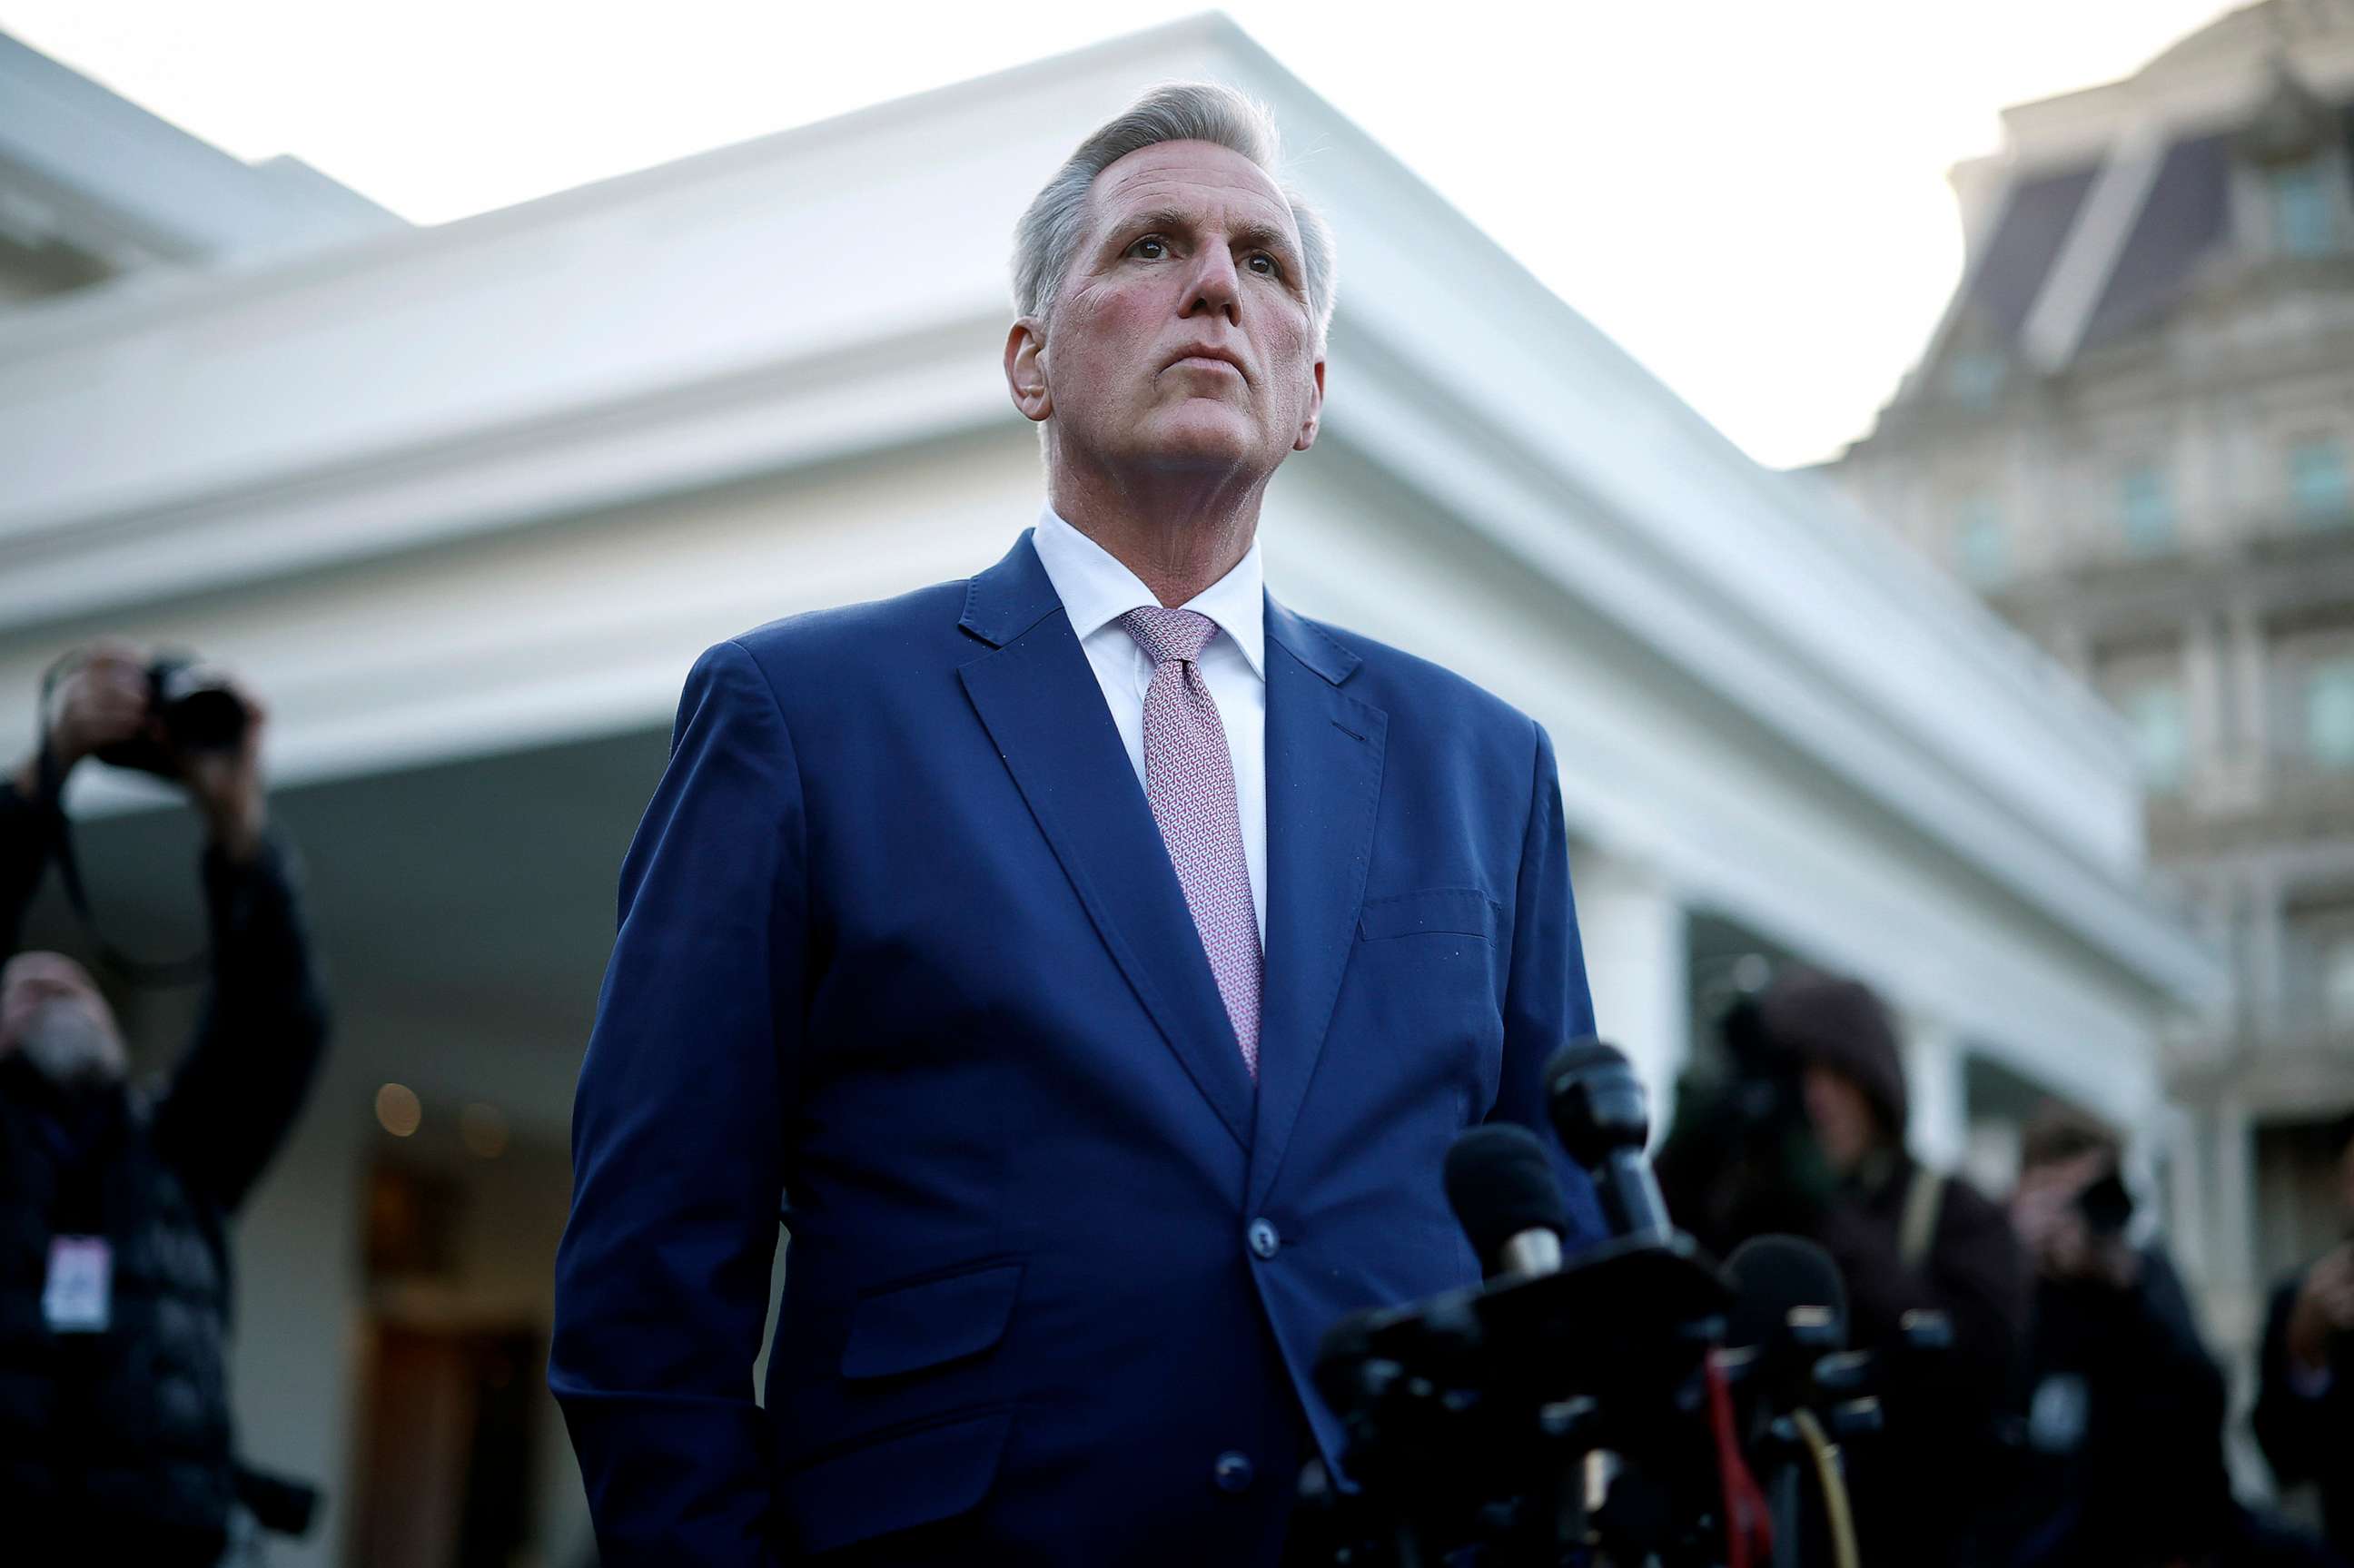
x,y
197,709
2106,1205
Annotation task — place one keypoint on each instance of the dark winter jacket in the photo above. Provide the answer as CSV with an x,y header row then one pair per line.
x,y
2124,1455
2305,1425
116,1447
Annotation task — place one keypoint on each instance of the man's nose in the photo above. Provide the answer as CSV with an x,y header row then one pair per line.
x,y
1214,290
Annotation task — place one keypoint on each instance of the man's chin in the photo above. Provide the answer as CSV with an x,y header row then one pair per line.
x,y
1211,437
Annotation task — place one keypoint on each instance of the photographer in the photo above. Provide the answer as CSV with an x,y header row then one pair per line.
x,y
2305,1398
115,1440
1807,1138
2125,1433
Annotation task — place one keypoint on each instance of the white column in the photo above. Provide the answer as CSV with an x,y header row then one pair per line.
x,y
2235,1300
1939,1128
1638,965
2251,695
2268,939
292,1357
2188,1234
2203,702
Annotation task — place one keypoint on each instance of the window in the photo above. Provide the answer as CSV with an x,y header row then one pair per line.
x,y
2154,713
1981,552
2337,982
2316,483
2146,506
2330,713
1973,377
2303,224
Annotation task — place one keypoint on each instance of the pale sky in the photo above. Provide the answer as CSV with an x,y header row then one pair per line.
x,y
1749,197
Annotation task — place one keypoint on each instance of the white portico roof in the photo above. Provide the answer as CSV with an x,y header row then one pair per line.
x,y
1754,690
80,165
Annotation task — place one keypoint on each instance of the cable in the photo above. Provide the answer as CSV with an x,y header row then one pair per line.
x,y
1748,1523
1826,1456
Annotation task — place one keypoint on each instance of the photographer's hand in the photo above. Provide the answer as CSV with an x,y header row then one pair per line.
x,y
2323,1309
102,701
225,786
2048,1215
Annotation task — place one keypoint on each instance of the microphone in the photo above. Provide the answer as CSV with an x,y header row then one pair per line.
x,y
1603,1117
1340,1374
1790,1320
1779,1280
1499,1183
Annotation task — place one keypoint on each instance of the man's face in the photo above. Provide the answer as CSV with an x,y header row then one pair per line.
x,y
1183,337
1841,1114
52,1012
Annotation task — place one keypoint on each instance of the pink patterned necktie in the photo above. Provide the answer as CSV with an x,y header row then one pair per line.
x,y
1189,777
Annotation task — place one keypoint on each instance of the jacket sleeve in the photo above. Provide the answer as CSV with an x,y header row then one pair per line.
x,y
2295,1421
2171,1400
234,1096
1546,1002
28,831
661,1280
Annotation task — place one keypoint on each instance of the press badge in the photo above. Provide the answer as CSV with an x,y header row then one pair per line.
x,y
78,1298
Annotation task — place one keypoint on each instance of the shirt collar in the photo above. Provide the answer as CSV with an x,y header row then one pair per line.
x,y
1097,589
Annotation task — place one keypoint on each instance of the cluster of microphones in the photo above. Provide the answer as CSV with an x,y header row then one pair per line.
x,y
1636,1404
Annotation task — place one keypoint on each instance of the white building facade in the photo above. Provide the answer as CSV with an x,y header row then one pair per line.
x,y
465,503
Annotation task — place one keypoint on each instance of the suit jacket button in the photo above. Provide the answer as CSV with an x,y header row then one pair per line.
x,y
1263,1241
1233,1471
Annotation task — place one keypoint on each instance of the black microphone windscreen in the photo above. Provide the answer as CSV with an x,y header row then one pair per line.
x,y
1340,1356
1500,1181
1772,1276
1596,1101
1583,1056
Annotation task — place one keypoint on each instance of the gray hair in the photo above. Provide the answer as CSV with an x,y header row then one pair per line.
x,y
1048,236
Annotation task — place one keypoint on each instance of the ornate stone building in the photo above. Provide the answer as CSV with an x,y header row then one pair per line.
x,y
2132,433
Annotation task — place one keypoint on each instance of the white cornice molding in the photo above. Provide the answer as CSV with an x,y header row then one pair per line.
x,y
118,175
922,383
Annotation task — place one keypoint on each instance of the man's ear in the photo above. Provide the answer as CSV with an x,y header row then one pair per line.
x,y
1315,414
1025,369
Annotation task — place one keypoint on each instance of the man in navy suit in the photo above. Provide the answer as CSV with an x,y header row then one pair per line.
x,y
1097,957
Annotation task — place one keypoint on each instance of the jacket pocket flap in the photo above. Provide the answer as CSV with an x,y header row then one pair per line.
x,y
906,1327
897,1483
1458,911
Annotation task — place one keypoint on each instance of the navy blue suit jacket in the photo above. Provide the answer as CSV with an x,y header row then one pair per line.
x,y
899,940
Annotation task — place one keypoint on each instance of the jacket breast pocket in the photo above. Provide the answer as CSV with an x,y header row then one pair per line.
x,y
1430,967
930,1322
1433,911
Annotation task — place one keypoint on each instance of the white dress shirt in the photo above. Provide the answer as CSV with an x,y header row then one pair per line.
x,y
1097,590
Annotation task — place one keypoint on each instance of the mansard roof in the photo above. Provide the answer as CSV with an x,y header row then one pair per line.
x,y
2111,207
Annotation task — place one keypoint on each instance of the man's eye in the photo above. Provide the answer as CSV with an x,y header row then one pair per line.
x,y
1266,265
1152,247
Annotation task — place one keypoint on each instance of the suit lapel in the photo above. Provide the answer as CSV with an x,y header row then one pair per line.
x,y
1324,752
1039,699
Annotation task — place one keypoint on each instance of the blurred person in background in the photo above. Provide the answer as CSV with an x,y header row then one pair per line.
x,y
2305,1397
2123,1456
2122,1464
1807,1139
115,1444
